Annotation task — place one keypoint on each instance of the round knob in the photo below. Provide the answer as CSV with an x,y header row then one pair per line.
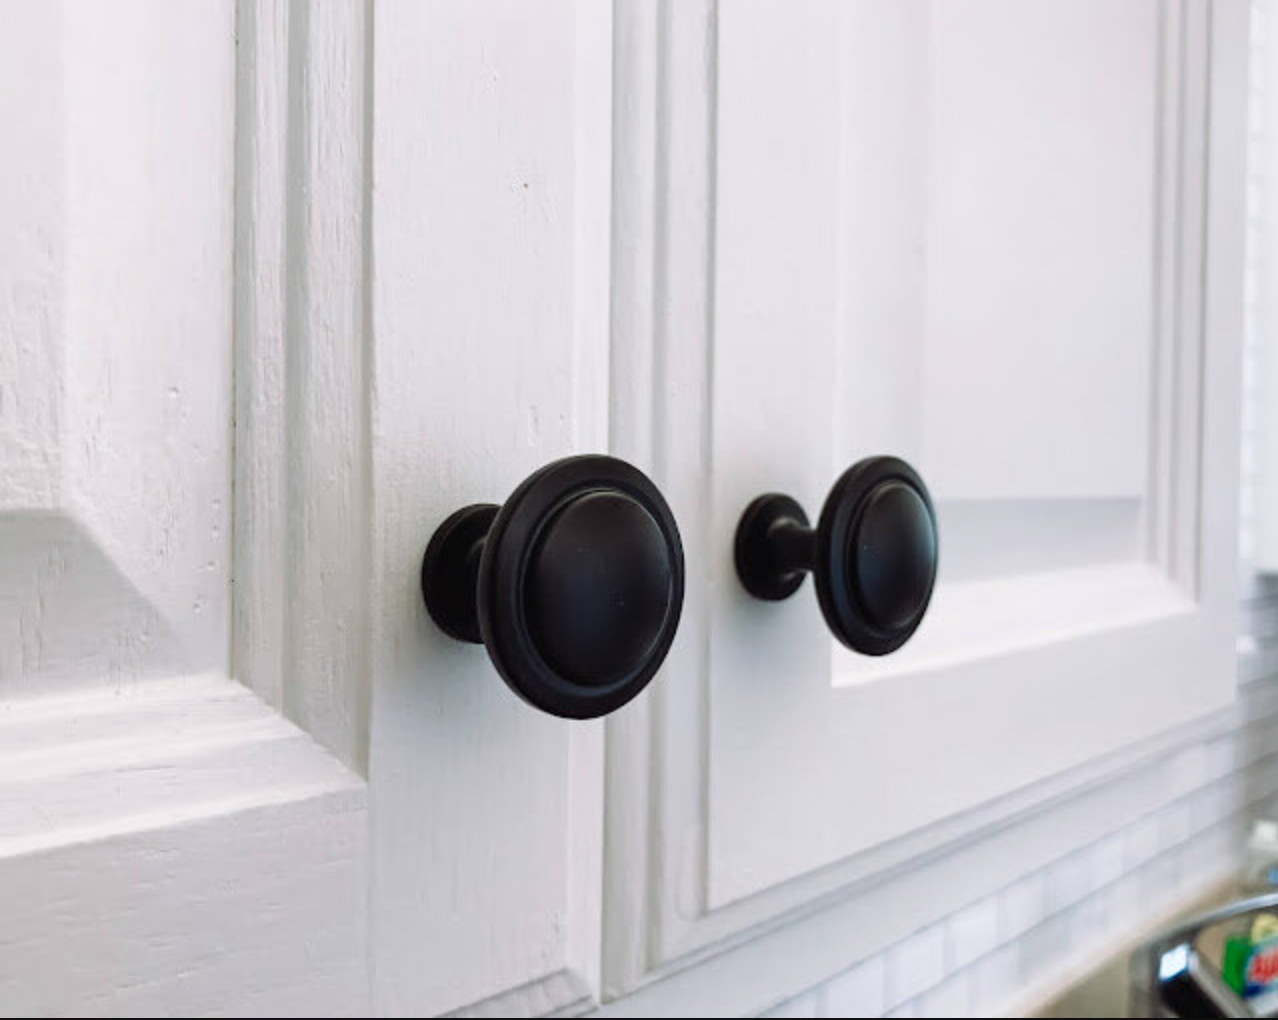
x,y
575,585
873,553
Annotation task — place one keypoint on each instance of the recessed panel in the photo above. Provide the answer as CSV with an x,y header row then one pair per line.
x,y
938,232
1039,292
115,350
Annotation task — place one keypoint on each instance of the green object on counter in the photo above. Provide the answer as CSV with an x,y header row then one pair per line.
x,y
1233,967
1249,963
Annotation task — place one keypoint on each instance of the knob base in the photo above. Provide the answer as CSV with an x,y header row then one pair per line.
x,y
450,571
765,561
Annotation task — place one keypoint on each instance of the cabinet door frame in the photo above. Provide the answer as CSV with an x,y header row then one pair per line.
x,y
205,853
658,902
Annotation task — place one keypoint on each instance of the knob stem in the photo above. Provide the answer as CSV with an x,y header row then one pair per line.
x,y
872,555
775,547
450,571
791,545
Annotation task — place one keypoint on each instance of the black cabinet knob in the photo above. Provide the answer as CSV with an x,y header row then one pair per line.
x,y
574,585
873,553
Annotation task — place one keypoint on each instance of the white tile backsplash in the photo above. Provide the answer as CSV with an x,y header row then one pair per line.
x,y
971,933
915,964
952,997
1141,841
1173,824
808,1004
1107,860
861,991
1068,881
1021,906
995,977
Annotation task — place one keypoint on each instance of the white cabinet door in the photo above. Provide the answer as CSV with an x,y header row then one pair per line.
x,y
489,301
284,284
169,843
251,353
1002,240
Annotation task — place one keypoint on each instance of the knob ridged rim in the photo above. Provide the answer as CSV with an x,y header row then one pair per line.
x,y
516,533
837,583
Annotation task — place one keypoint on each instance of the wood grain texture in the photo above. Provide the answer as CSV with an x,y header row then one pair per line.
x,y
178,849
114,410
32,268
169,844
303,357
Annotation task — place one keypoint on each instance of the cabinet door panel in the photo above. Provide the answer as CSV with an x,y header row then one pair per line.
x,y
1032,334
115,425
984,237
169,843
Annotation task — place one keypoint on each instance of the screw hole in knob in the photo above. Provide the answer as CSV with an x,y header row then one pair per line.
x,y
574,585
873,553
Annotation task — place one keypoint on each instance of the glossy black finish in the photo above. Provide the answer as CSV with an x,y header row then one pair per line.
x,y
598,587
450,570
574,585
873,553
774,547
